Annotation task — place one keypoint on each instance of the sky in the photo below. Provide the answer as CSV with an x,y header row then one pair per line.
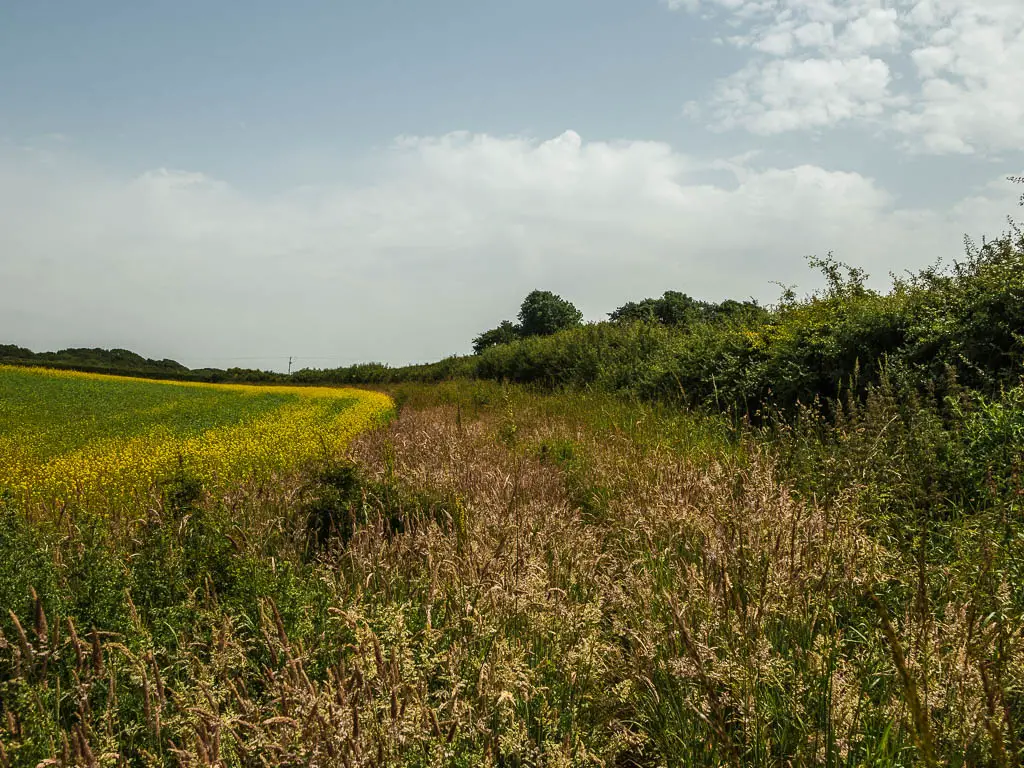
x,y
237,183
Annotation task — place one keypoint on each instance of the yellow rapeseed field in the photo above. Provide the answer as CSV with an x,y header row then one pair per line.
x,y
70,437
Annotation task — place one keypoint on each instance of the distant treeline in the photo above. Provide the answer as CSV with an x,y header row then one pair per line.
x,y
963,322
122,362
959,323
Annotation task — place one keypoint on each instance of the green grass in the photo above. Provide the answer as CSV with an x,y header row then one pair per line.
x,y
48,414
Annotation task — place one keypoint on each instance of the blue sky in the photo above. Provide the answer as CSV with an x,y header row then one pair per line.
x,y
244,90
342,181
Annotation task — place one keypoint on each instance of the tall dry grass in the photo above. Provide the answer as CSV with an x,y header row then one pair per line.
x,y
527,580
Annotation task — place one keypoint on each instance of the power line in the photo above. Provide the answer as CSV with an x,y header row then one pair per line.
x,y
270,357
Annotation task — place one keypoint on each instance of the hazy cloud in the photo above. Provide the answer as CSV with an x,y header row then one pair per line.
x,y
442,242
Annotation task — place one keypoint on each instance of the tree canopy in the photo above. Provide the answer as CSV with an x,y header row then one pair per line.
x,y
506,332
544,313
679,310
673,308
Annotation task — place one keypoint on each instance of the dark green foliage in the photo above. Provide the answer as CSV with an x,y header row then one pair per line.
x,y
237,376
745,360
673,308
91,359
970,316
381,373
505,333
336,506
182,491
10,351
678,310
121,362
342,501
363,373
543,313
736,311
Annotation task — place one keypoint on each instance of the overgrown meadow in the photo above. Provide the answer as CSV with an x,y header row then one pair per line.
x,y
501,577
791,538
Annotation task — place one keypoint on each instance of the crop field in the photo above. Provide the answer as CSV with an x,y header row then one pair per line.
x,y
68,437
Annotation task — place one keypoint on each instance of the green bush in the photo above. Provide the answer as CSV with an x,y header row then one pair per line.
x,y
743,359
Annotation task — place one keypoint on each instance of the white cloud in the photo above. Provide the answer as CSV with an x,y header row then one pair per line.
x,y
445,240
970,96
815,34
965,58
785,95
875,29
778,42
932,60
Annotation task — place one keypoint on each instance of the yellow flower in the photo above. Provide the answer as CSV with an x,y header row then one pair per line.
x,y
59,463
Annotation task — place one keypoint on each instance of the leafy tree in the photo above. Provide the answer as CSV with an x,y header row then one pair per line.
x,y
506,332
745,311
673,308
838,286
678,310
11,350
635,312
544,313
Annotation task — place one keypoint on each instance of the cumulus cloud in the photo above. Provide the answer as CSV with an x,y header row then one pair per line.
x,y
964,58
792,94
445,240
